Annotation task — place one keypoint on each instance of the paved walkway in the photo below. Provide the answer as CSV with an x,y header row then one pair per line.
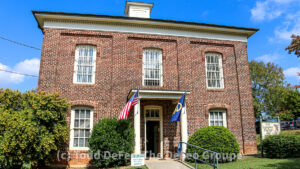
x,y
164,164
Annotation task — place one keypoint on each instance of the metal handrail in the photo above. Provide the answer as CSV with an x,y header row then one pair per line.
x,y
215,163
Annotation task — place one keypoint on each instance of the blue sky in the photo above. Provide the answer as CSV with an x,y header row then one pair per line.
x,y
276,19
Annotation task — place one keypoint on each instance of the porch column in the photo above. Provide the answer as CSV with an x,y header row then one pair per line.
x,y
184,130
137,128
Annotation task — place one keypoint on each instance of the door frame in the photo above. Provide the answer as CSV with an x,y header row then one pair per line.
x,y
160,119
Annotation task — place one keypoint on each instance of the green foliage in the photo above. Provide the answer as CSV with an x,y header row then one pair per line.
x,y
111,136
32,127
286,115
267,83
214,138
294,47
282,146
291,102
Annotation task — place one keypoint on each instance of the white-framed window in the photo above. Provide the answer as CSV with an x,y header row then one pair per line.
x,y
214,71
152,67
217,118
85,64
81,127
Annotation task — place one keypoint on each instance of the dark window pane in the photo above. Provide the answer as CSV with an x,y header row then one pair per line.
x,y
86,142
82,112
75,144
157,113
81,142
81,133
82,124
87,133
87,114
76,133
76,124
76,114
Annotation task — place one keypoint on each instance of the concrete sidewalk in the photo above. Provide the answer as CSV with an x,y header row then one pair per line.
x,y
162,164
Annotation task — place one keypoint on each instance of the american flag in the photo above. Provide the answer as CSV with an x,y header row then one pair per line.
x,y
133,101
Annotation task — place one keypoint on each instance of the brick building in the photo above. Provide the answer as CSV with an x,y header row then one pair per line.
x,y
99,61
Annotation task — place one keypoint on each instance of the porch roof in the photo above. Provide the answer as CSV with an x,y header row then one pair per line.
x,y
158,94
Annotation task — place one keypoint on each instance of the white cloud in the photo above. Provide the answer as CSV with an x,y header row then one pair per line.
x,y
269,9
292,72
289,27
268,58
286,10
28,66
31,66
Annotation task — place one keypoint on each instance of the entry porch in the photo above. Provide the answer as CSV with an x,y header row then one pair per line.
x,y
155,136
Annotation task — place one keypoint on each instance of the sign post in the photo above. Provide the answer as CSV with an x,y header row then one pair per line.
x,y
137,160
268,128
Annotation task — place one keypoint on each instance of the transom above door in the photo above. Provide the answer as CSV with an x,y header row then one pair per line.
x,y
152,113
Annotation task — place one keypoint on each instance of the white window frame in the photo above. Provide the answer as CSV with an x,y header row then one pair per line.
x,y
72,126
160,64
220,68
218,110
75,80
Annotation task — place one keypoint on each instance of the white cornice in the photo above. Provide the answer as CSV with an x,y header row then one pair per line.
x,y
138,29
158,94
144,26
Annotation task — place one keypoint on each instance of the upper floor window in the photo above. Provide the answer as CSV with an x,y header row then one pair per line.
x,y
152,67
85,64
214,71
81,127
217,118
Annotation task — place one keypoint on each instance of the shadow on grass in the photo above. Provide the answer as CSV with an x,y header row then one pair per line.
x,y
291,163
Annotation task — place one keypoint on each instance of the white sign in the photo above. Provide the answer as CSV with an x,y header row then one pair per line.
x,y
137,159
269,128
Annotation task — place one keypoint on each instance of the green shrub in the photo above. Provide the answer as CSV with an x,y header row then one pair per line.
x,y
33,128
281,146
215,138
112,140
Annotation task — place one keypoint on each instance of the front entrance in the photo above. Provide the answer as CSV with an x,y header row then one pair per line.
x,y
153,146
153,131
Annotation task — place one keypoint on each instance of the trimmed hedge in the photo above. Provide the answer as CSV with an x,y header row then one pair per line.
x,y
215,138
281,146
111,143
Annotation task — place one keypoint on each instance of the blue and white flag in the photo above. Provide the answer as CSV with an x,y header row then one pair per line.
x,y
177,111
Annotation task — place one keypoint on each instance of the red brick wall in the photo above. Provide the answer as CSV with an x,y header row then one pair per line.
x,y
119,69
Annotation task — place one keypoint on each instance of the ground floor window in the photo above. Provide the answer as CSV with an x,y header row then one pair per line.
x,y
217,118
81,127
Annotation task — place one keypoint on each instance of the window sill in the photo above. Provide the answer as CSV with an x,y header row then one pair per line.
x,y
216,90
79,148
83,84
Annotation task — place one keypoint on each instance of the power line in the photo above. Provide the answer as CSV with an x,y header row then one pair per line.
x,y
8,71
19,43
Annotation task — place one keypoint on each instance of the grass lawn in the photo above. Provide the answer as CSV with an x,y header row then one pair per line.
x,y
141,167
257,163
294,132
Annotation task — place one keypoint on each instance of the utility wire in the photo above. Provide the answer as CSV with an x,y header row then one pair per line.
x,y
8,71
19,43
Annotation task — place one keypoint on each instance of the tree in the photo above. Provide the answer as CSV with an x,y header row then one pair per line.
x,y
294,47
267,83
291,104
32,127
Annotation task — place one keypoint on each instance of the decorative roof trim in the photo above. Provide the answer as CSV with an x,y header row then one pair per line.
x,y
41,16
